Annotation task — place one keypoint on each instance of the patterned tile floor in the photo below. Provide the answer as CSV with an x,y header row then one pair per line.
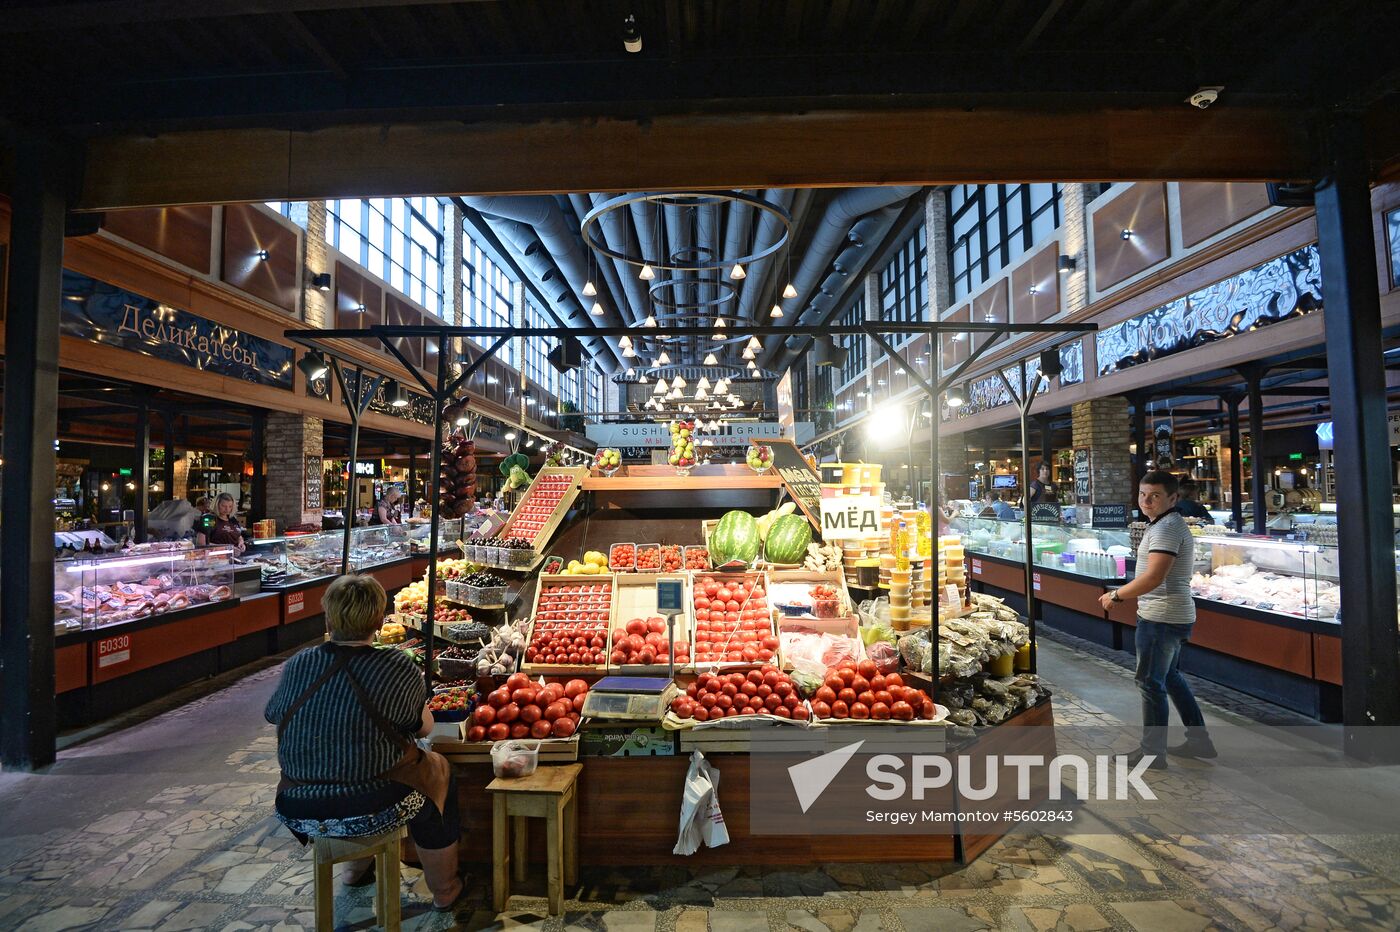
x,y
164,825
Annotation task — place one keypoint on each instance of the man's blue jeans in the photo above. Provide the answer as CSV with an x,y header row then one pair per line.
x,y
1159,678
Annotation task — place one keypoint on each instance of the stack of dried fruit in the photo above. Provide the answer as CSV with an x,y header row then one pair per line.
x,y
457,477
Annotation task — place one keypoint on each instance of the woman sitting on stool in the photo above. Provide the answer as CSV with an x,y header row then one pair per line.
x,y
346,715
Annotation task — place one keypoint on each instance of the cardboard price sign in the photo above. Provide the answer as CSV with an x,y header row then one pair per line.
x,y
847,517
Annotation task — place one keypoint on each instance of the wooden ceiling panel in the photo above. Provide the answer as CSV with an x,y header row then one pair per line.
x,y
261,256
182,234
1209,207
1129,234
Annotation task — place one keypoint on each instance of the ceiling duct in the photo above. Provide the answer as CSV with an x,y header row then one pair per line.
x,y
841,215
850,259
864,231
832,285
623,285
770,229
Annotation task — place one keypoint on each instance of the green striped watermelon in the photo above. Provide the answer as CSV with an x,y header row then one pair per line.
x,y
788,539
735,539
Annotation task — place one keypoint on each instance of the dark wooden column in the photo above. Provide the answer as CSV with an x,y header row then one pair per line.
x,y
38,201
258,452
1356,376
1236,465
141,475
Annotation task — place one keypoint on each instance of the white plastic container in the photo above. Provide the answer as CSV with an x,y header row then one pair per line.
x,y
515,758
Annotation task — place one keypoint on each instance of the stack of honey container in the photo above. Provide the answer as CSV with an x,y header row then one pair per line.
x,y
265,529
952,574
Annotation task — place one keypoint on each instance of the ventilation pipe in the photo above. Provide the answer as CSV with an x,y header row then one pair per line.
x,y
621,276
770,228
563,244
833,231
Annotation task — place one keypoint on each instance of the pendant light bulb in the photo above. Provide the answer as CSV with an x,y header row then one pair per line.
x,y
754,344
711,360
737,272
663,359
631,372
597,309
789,291
748,354
646,274
624,340
678,382
628,353
776,312
660,388
703,383
588,289
649,322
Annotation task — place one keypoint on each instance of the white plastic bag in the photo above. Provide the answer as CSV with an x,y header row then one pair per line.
x,y
701,819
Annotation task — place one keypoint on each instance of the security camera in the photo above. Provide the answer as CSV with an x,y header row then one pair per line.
x,y
631,35
1204,97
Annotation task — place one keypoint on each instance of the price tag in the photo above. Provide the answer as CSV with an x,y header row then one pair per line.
x,y
976,567
296,602
1035,581
112,651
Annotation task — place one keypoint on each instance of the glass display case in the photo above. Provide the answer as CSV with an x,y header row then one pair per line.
x,y
1095,552
97,591
449,532
1293,578
292,560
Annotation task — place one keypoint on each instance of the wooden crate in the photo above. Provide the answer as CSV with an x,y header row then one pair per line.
x,y
634,596
541,541
552,750
731,665
847,623
546,582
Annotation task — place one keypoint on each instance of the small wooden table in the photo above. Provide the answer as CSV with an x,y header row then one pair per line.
x,y
547,794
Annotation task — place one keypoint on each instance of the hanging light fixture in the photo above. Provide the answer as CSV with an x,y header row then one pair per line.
x,y
597,309
711,359
956,396
663,359
643,380
776,312
674,395
737,272
631,372
313,365
510,435
629,353
753,367
649,322
678,381
721,386
462,419
646,274
748,354
703,383
398,395
661,387
754,344
789,291
701,394
625,340
588,289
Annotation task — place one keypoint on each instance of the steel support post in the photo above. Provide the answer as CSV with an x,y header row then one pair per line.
x,y
141,475
258,452
1236,465
435,516
38,202
1140,436
1257,480
167,419
1356,375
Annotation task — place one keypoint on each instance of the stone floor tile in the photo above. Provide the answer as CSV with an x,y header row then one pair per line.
x,y
834,920
64,917
693,920
947,918
1078,917
1167,916
197,915
729,920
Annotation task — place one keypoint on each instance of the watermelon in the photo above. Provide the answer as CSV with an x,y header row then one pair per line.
x,y
735,539
788,539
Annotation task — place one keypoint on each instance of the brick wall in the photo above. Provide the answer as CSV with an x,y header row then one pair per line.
x,y
290,439
319,313
1075,243
1104,427
940,280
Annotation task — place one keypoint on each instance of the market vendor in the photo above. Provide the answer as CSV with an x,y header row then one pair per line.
x,y
220,527
1042,490
346,716
387,510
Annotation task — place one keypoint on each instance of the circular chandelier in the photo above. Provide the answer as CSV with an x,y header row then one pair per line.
x,y
665,293
689,258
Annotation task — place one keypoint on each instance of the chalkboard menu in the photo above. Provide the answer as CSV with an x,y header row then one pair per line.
x,y
313,483
1110,516
1083,484
1045,513
802,482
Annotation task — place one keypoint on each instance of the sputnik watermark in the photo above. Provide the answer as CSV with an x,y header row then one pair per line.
x,y
1112,777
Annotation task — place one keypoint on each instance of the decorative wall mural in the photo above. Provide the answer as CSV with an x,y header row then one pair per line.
x,y
1280,289
1072,361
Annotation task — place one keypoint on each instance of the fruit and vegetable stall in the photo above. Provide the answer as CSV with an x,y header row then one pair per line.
x,y
769,634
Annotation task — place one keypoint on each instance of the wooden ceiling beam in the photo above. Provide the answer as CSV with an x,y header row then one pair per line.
x,y
703,151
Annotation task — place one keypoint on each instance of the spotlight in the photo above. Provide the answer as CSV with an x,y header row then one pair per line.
x,y
1050,365
956,396
321,281
529,442
313,365
1126,234
462,420
631,35
398,395
261,255
510,435
1067,264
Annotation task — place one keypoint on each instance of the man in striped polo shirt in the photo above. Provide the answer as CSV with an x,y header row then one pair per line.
x,y
1165,616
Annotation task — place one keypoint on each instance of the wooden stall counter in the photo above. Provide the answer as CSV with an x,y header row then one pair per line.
x,y
629,810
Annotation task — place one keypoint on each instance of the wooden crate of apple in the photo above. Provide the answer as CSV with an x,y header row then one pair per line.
x,y
524,709
733,622
765,691
859,692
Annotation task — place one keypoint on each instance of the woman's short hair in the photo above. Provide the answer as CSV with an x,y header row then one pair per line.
x,y
224,497
354,607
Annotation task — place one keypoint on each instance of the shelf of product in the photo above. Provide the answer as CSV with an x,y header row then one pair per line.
x,y
859,692
524,709
544,505
639,640
97,591
766,692
569,626
1105,551
294,559
478,590
733,621
1288,577
504,553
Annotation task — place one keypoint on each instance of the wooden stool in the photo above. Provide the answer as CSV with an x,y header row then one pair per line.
x,y
547,794
327,852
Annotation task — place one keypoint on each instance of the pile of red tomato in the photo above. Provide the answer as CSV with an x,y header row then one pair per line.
x,y
733,623
644,641
522,709
859,691
765,691
571,643
538,506
697,558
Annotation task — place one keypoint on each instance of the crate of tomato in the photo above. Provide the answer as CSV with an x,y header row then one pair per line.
x,y
569,625
733,620
639,641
